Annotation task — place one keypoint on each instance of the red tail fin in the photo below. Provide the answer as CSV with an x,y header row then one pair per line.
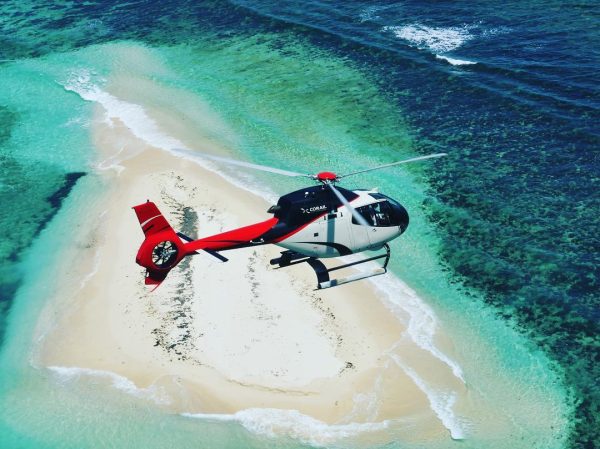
x,y
150,218
161,249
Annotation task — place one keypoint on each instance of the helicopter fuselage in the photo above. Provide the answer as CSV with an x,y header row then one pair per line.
x,y
313,222
310,222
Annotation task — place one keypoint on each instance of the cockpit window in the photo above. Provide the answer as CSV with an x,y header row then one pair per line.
x,y
378,196
377,214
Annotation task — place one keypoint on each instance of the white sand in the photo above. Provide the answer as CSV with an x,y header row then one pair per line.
x,y
223,337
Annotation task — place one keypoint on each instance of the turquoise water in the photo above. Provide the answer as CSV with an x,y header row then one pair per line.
x,y
284,98
44,151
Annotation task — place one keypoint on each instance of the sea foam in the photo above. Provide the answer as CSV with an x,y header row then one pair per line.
x,y
72,373
422,325
455,61
441,401
438,40
135,118
291,423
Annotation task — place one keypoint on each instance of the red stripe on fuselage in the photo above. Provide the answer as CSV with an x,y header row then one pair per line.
x,y
242,237
234,238
299,228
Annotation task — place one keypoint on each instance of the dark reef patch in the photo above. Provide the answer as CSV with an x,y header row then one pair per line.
x,y
70,180
30,198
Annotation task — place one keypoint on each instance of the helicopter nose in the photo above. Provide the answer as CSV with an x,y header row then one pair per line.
x,y
403,219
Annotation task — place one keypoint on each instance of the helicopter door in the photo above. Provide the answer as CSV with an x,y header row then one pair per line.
x,y
381,221
334,235
362,235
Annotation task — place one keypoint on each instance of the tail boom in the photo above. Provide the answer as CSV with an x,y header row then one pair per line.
x,y
163,248
237,238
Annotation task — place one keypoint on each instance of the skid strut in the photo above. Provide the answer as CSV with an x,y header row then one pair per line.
x,y
288,258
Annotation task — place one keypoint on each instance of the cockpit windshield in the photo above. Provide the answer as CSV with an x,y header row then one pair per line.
x,y
376,214
383,214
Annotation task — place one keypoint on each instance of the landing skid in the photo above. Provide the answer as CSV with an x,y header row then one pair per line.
x,y
288,258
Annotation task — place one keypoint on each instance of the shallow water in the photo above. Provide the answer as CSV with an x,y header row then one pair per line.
x,y
507,220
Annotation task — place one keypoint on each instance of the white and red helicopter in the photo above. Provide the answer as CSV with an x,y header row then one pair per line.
x,y
316,222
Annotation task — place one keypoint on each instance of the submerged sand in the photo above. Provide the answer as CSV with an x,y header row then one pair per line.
x,y
217,338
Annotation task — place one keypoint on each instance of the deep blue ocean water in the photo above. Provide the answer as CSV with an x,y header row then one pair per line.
x,y
509,89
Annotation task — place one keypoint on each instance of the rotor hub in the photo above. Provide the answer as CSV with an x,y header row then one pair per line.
x,y
326,176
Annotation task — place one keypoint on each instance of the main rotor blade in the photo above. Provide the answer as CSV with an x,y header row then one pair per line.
x,y
241,163
361,220
420,158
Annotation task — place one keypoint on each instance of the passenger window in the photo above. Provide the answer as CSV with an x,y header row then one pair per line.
x,y
366,214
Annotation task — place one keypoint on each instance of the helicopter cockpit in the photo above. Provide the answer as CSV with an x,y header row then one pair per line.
x,y
383,213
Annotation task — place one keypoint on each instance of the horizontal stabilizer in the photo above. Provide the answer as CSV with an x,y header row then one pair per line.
x,y
185,237
209,251
217,255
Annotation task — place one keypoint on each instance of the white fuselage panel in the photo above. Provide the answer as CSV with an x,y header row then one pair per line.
x,y
334,234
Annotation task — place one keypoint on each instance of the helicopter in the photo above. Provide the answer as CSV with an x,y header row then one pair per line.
x,y
313,223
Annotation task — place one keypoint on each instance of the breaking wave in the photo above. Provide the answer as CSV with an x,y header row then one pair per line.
x,y
134,117
455,61
72,373
437,40
291,423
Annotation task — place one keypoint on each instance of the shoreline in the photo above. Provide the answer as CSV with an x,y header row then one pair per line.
x,y
333,383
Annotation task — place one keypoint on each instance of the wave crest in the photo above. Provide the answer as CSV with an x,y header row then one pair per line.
x,y
455,61
437,40
73,373
291,423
